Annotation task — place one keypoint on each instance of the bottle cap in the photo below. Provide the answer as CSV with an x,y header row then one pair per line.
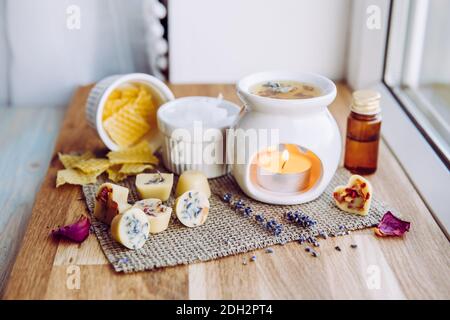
x,y
366,102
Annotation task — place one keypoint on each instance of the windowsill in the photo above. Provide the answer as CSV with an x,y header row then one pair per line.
x,y
431,114
427,172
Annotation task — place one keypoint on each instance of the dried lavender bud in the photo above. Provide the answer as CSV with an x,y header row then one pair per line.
x,y
239,204
323,234
301,239
278,230
290,216
259,217
274,227
226,197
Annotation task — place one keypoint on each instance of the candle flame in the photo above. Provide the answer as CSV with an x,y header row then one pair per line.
x,y
285,155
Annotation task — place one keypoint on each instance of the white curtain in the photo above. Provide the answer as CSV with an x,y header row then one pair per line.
x,y
47,55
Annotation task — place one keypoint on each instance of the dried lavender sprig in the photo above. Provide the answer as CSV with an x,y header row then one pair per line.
x,y
239,206
300,219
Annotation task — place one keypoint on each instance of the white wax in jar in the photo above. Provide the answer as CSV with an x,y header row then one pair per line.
x,y
211,111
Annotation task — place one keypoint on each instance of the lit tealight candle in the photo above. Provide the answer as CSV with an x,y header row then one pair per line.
x,y
284,172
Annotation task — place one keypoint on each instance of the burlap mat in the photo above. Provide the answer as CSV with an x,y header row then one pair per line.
x,y
227,232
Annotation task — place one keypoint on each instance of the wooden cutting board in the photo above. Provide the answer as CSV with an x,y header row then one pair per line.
x,y
416,266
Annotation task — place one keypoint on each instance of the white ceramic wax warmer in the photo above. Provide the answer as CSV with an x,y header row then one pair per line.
x,y
299,166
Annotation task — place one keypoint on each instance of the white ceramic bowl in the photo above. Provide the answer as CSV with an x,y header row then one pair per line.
x,y
99,94
286,106
181,120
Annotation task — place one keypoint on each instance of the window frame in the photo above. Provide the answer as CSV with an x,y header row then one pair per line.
x,y
402,67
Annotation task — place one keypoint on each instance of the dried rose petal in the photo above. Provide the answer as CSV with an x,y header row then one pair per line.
x,y
390,225
77,231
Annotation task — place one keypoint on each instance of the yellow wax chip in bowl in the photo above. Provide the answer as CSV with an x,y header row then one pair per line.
x,y
115,94
70,160
146,111
127,126
144,105
141,153
143,87
144,97
74,176
114,173
134,168
113,106
93,165
129,90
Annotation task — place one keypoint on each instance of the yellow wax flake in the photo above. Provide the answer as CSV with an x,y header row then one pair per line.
x,y
113,106
70,160
114,173
120,172
144,97
126,127
115,94
75,176
141,153
143,87
134,168
129,90
144,106
93,165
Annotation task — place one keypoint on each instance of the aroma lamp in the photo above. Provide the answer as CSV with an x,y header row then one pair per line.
x,y
299,165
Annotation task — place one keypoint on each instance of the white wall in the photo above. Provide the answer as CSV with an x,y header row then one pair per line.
x,y
222,40
210,41
3,57
48,60
366,47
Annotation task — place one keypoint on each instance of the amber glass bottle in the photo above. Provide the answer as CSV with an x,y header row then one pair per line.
x,y
363,133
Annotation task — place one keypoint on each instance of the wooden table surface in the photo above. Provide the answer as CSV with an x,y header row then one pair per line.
x,y
416,266
27,139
